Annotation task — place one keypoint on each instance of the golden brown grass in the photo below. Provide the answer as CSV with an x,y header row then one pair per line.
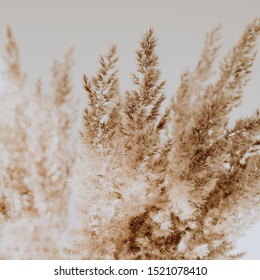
x,y
149,183
37,154
186,195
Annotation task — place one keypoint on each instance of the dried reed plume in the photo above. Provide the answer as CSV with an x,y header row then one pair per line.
x,y
149,182
37,154
174,185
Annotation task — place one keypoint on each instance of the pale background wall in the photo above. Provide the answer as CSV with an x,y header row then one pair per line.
x,y
46,29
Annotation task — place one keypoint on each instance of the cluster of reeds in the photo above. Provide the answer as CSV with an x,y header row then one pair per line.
x,y
37,154
150,181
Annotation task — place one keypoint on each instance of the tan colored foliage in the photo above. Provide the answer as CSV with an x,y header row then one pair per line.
x,y
149,182
173,185
37,153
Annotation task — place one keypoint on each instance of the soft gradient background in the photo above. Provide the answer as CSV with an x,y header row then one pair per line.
x,y
46,29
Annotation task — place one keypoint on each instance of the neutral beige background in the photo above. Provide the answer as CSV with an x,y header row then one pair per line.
x,y
46,29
